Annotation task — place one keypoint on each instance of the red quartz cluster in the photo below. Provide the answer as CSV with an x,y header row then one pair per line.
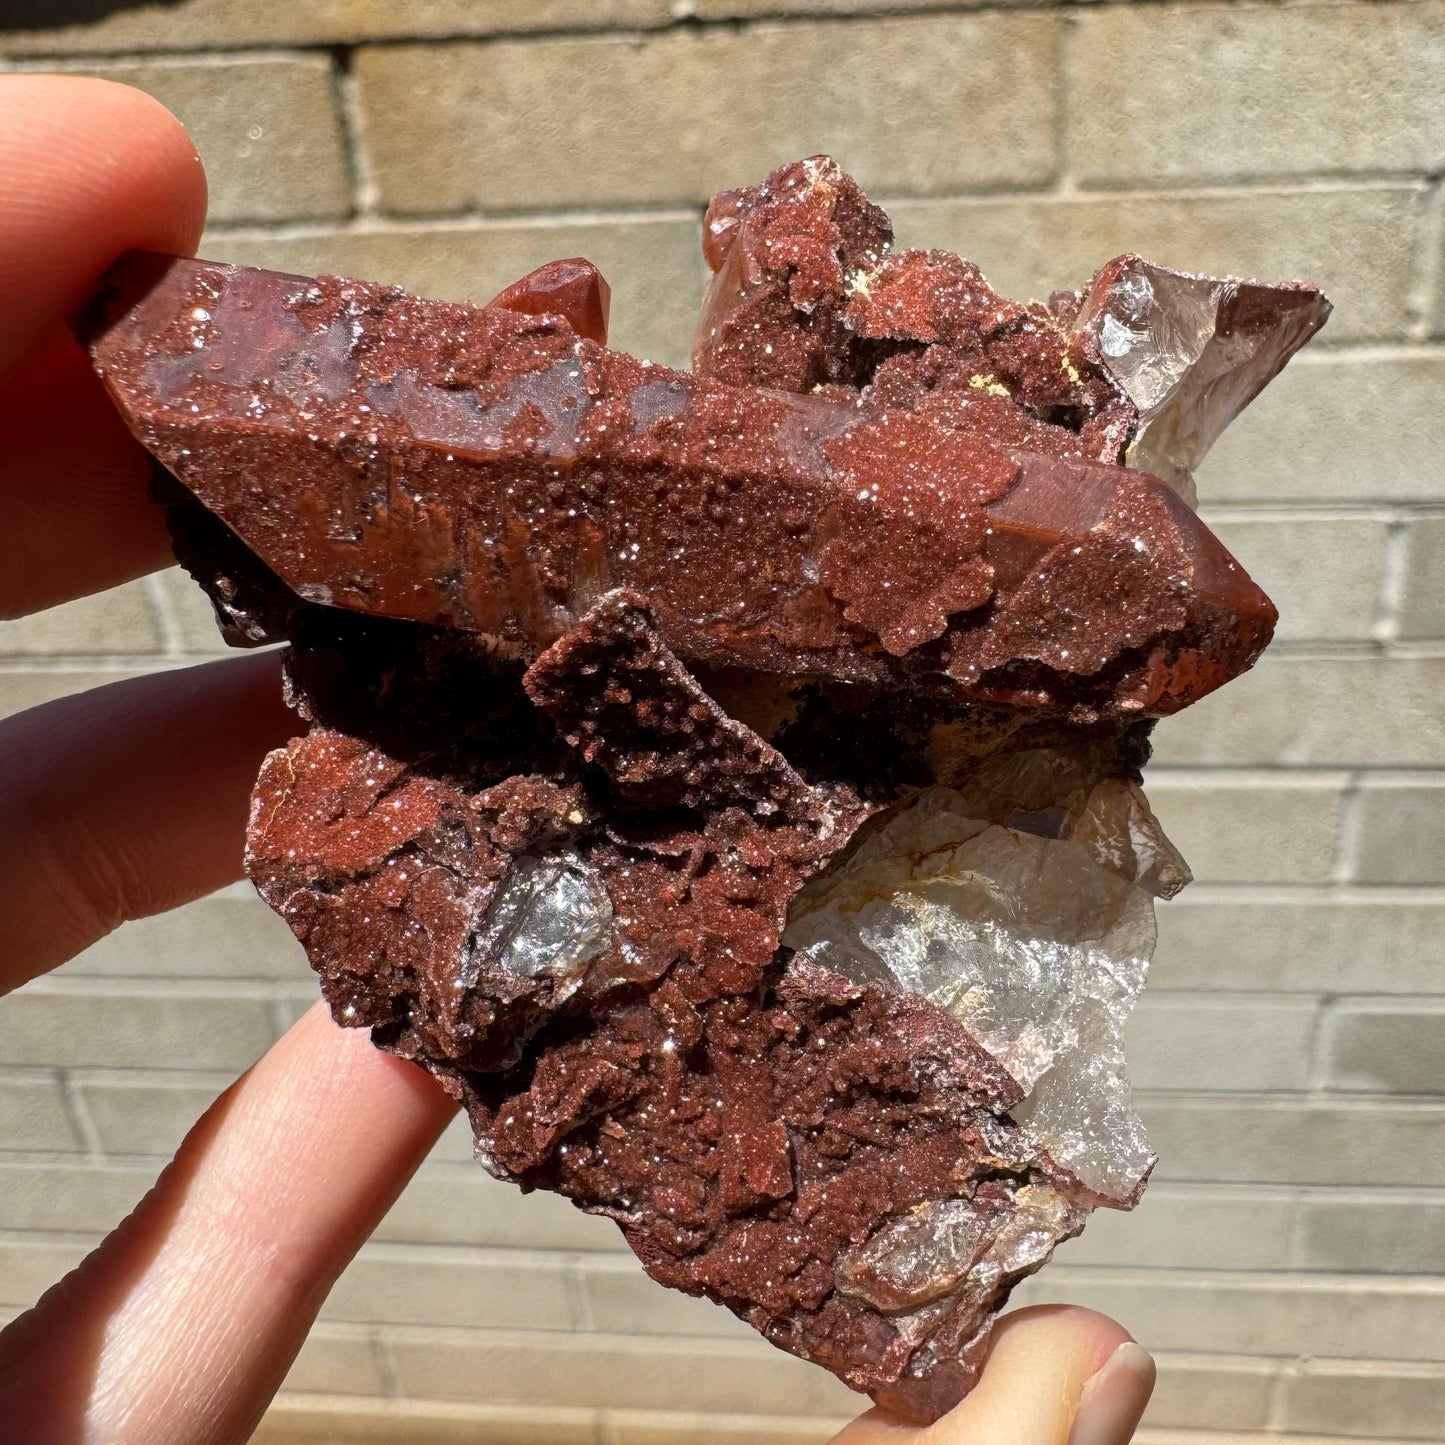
x,y
607,663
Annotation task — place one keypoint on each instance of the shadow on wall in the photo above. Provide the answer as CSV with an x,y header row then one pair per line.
x,y
53,14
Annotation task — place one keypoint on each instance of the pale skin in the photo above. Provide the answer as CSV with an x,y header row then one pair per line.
x,y
131,799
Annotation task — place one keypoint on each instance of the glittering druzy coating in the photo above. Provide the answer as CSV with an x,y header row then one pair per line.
x,y
492,471
727,783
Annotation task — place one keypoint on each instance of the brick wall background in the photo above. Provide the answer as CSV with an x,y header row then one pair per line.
x,y
1288,1264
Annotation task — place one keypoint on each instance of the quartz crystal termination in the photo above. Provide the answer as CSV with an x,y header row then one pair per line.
x,y
727,783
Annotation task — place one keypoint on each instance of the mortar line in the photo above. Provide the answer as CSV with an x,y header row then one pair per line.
x,y
384,1358
79,1116
1274,1410
172,641
579,1302
690,209
1351,826
1427,290
360,172
1065,187
276,1007
1394,561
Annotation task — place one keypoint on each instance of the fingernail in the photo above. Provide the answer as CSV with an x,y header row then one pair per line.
x,y
1114,1399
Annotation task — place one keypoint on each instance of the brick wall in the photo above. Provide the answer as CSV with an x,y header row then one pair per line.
x,y
1288,1265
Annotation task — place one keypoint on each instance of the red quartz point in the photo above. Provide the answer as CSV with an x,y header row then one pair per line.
x,y
573,289
494,472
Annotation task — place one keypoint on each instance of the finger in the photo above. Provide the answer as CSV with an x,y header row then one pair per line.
x,y
88,170
74,509
181,1326
127,800
1056,1375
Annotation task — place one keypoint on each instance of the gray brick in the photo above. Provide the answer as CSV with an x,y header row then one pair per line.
x,y
268,129
1422,604
652,1427
33,1115
218,937
1232,93
299,1419
144,1113
331,1362
83,1197
1359,244
1231,1392
1302,439
1182,1226
1252,827
1323,573
28,1267
620,1298
121,620
751,9
191,621
400,1285
118,1029
1401,830
461,1204
33,27
1259,1314
1209,1042
615,1372
1320,711
674,117
1378,1047
1346,943
1394,1232
455,1144
1295,1141
1347,1397
654,265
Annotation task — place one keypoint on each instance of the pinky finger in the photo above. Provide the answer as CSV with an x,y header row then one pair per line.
x,y
181,1326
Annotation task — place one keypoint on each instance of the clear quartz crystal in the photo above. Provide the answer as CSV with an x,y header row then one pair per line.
x,y
919,1256
1036,935
1191,352
549,917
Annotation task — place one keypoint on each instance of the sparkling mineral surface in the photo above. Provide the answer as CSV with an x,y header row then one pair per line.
x,y
726,782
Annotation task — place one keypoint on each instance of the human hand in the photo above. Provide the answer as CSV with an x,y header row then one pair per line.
x,y
131,799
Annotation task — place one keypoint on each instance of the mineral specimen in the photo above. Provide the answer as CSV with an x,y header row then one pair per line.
x,y
727,783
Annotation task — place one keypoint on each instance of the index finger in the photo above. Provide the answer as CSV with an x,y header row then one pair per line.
x,y
88,170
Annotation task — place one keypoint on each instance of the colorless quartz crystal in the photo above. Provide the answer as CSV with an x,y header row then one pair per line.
x,y
1035,932
550,916
1191,352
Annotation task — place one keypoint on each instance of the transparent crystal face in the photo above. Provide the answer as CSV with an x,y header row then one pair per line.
x,y
1036,934
549,918
1191,352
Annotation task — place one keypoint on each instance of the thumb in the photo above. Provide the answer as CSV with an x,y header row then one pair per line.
x,y
1056,1375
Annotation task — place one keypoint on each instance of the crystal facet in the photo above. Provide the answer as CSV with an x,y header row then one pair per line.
x,y
548,916
1191,352
1025,935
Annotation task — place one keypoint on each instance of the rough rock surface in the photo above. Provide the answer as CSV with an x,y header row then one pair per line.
x,y
726,783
